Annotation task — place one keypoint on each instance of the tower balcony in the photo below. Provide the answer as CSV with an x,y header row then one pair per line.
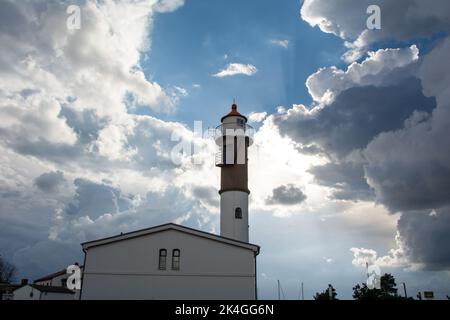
x,y
233,130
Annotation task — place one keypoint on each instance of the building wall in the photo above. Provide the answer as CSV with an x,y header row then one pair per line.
x,y
57,296
209,269
24,294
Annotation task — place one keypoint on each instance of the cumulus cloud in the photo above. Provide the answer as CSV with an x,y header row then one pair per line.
x,y
234,69
50,181
425,235
356,116
207,194
100,209
394,258
400,20
95,199
380,68
355,105
361,256
409,168
352,108
286,195
257,116
346,178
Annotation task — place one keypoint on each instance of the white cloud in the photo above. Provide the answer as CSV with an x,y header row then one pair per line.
x,y
168,5
377,69
181,91
361,256
257,116
236,68
401,20
281,43
395,257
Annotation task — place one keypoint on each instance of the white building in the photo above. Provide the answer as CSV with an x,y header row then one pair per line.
x,y
57,279
175,262
37,292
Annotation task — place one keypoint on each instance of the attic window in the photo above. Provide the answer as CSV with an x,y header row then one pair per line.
x,y
238,213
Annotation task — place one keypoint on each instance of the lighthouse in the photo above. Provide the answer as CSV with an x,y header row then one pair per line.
x,y
233,137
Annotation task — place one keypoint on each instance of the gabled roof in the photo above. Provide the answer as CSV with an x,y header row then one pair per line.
x,y
170,226
51,289
53,275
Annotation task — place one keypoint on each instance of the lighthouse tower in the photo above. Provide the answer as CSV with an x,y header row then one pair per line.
x,y
233,137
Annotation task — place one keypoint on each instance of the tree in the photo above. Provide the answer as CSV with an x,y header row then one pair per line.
x,y
388,290
325,295
7,271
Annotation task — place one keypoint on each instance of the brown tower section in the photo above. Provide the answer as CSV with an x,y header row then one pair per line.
x,y
233,138
234,177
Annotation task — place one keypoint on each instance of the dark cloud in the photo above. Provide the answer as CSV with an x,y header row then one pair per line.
x,y
86,124
207,194
347,178
426,236
95,199
410,168
350,123
47,256
356,116
286,195
50,181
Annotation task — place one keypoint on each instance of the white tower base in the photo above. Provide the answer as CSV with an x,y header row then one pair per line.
x,y
231,226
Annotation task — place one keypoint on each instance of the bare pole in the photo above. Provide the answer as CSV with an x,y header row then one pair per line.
x,y
404,289
303,294
278,281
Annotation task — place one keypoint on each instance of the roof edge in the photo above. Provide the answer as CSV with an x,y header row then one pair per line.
x,y
168,226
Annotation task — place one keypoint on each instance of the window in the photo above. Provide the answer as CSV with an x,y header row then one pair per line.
x,y
162,259
238,213
64,283
176,259
240,122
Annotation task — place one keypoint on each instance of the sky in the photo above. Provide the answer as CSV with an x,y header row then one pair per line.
x,y
351,160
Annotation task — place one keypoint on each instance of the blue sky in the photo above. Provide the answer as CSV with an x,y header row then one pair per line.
x,y
190,44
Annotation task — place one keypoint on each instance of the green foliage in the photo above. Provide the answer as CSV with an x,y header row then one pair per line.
x,y
387,291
